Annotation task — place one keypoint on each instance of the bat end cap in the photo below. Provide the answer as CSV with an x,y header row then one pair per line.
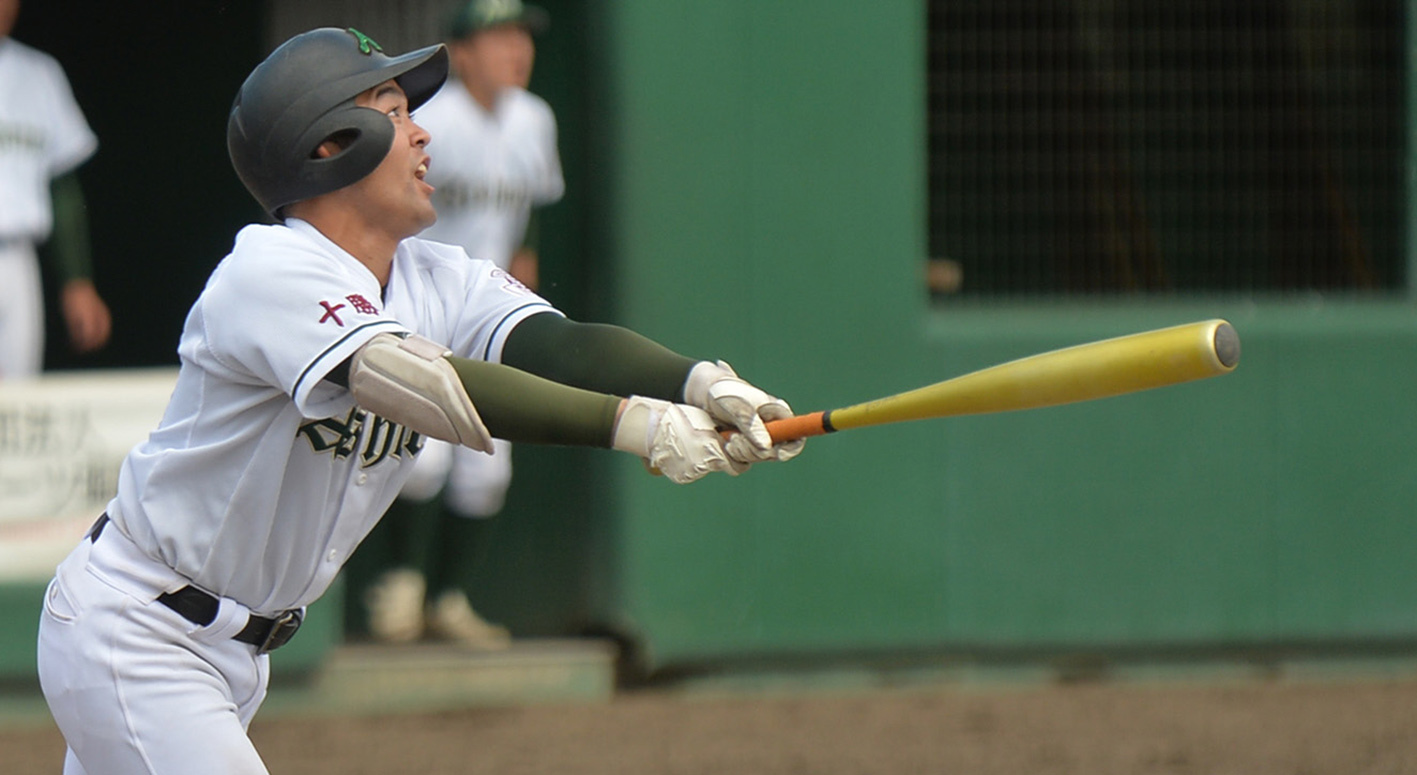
x,y
1227,345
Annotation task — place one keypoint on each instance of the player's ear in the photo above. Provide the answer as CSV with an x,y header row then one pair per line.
x,y
334,144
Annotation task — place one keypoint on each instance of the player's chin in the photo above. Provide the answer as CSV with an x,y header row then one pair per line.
x,y
427,216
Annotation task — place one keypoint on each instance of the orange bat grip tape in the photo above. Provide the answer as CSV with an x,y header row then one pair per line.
x,y
793,428
799,427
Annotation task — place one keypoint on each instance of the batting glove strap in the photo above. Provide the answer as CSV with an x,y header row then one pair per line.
x,y
679,441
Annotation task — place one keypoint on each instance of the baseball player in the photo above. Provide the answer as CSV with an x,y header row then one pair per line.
x,y
497,160
43,139
323,350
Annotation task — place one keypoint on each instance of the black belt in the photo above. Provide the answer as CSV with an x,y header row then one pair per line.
x,y
198,607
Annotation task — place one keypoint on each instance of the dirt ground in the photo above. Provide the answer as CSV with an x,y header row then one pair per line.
x,y
1255,728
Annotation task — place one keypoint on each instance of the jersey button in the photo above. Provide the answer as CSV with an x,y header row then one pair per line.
x,y
333,555
362,479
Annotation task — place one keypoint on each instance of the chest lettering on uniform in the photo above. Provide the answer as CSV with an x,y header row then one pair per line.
x,y
459,194
370,436
20,137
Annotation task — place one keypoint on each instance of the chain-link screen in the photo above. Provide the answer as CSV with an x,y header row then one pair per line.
x,y
1136,146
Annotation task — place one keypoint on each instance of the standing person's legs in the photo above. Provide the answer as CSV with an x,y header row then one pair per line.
x,y
134,687
478,483
403,539
476,490
21,311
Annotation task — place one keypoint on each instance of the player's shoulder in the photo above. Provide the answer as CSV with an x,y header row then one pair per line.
x,y
529,104
22,55
448,102
262,252
442,266
18,48
260,241
432,256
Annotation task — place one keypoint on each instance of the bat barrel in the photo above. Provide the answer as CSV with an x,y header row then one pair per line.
x,y
1111,367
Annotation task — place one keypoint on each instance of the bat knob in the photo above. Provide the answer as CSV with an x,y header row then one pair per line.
x,y
1227,345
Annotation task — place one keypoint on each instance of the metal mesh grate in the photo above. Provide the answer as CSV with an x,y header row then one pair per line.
x,y
1132,146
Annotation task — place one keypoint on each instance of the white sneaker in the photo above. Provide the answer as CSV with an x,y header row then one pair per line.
x,y
395,606
451,617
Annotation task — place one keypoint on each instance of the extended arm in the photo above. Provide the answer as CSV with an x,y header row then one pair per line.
x,y
85,313
417,383
616,360
596,356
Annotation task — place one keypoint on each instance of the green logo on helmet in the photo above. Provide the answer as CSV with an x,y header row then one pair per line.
x,y
366,43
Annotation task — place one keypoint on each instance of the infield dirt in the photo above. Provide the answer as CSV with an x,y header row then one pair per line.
x,y
1246,728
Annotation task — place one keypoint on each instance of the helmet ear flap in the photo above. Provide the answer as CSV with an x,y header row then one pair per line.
x,y
366,136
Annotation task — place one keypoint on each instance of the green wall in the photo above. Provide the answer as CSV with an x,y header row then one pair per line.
x,y
767,207
770,211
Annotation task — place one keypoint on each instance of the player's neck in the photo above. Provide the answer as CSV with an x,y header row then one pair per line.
x,y
483,94
371,247
373,250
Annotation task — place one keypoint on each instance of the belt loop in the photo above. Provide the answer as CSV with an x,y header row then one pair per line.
x,y
231,618
97,529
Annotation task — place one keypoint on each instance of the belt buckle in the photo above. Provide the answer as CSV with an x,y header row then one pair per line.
x,y
282,630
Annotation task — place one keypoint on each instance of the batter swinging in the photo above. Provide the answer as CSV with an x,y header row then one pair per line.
x,y
321,353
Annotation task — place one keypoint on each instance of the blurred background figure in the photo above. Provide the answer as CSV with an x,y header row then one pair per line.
x,y
44,137
494,161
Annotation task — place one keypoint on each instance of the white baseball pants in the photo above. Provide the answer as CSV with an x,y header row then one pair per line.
x,y
135,688
474,484
21,311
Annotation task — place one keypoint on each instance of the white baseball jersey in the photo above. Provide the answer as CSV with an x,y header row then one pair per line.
x,y
43,134
261,478
489,168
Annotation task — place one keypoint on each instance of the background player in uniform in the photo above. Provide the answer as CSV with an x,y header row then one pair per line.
x,y
43,139
497,160
320,354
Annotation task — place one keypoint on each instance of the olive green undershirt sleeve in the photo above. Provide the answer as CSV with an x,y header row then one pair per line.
x,y
597,357
522,407
68,247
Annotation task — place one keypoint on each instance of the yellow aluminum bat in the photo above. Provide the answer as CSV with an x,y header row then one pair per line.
x,y
1102,369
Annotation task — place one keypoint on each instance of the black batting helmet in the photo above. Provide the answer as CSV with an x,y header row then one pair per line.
x,y
302,94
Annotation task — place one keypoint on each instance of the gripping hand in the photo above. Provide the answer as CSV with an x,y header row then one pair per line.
x,y
679,441
728,398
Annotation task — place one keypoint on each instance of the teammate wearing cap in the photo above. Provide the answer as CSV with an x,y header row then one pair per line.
x,y
320,354
497,160
43,140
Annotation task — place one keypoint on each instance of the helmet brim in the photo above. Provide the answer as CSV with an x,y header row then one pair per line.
x,y
420,73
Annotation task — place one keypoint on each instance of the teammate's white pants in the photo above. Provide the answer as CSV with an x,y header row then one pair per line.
x,y
21,311
135,688
474,484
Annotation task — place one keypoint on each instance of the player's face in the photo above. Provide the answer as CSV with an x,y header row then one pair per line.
x,y
499,57
394,197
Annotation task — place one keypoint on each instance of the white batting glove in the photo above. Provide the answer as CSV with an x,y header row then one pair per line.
x,y
681,442
728,398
